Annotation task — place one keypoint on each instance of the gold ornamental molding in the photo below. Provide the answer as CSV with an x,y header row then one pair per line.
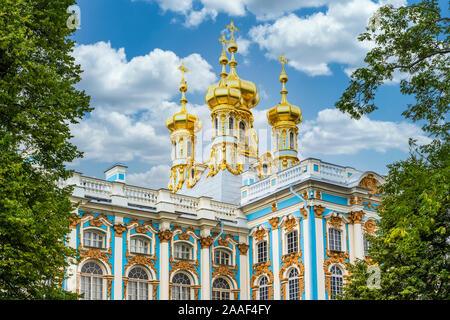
x,y
355,216
370,226
141,259
274,222
243,248
97,254
369,182
335,222
274,207
74,221
356,200
262,269
206,242
260,234
109,279
290,224
119,230
224,271
183,265
318,211
97,222
304,212
165,236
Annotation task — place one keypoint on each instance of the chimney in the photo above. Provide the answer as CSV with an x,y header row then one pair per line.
x,y
116,173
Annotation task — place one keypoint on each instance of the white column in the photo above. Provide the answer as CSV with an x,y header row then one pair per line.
x,y
358,240
118,250
308,269
351,236
164,238
244,273
71,281
276,264
320,259
164,271
205,263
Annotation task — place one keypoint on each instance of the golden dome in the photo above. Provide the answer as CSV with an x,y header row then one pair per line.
x,y
231,90
183,119
284,112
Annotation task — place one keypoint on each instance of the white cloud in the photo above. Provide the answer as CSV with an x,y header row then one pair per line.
x,y
334,133
142,83
313,42
155,178
132,100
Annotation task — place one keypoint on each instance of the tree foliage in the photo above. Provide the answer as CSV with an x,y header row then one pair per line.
x,y
412,243
38,102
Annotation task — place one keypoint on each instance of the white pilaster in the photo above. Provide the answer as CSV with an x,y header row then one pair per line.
x,y
205,259
308,268
276,264
71,281
244,278
320,259
164,271
118,249
358,240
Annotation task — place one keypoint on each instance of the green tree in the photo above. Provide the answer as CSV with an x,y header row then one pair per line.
x,y
412,243
38,102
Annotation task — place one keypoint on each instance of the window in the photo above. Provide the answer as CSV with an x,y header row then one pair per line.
x,y
138,284
91,281
216,126
366,245
264,289
93,239
140,245
189,148
221,289
221,257
183,251
294,293
336,281
262,252
335,239
291,140
181,289
241,131
265,168
230,126
292,242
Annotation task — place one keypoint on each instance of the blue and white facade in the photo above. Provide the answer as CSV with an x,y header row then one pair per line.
x,y
290,237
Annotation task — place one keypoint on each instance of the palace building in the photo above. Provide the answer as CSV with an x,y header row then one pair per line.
x,y
238,226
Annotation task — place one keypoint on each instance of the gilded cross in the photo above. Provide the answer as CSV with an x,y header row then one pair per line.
x,y
283,60
232,29
223,40
183,69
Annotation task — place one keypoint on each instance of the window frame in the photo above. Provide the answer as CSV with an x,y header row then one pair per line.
x,y
180,244
99,282
96,232
261,254
221,251
185,289
143,238
335,239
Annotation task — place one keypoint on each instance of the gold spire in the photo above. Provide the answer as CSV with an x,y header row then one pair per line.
x,y
183,86
183,119
232,48
223,60
284,111
283,78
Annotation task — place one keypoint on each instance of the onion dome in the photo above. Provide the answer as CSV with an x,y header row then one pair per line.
x,y
231,90
284,112
183,119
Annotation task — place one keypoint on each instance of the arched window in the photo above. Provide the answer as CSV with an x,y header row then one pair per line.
x,y
277,141
222,257
91,281
216,125
335,239
137,288
292,242
336,281
140,245
95,239
264,288
182,251
262,252
230,126
294,293
291,140
181,287
265,168
366,245
192,173
175,149
221,289
241,131
189,148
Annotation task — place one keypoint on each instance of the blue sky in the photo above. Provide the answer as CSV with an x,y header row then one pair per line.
x,y
129,51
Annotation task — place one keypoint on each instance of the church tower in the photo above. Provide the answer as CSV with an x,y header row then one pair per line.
x,y
183,126
234,141
284,119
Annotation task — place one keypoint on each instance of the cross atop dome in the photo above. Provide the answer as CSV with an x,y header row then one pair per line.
x,y
232,29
